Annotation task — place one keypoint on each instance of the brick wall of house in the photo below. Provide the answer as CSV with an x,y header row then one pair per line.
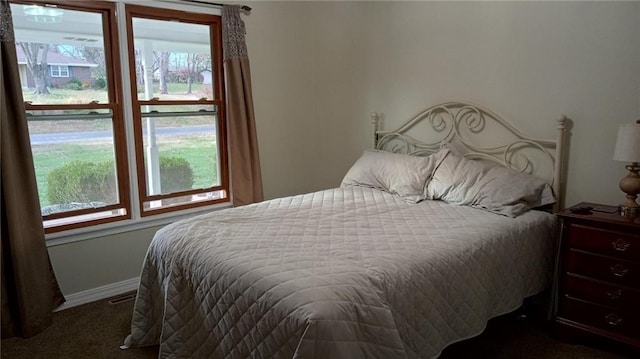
x,y
81,73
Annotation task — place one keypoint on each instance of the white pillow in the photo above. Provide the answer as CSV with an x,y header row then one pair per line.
x,y
404,175
497,189
453,176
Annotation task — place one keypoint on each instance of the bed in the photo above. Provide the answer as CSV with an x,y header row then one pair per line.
x,y
369,269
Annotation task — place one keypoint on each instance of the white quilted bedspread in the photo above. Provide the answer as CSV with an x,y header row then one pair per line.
x,y
343,273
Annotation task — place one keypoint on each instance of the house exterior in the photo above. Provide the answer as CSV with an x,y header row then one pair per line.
x,y
60,69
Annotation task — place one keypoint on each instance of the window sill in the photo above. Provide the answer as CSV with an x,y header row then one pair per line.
x,y
87,233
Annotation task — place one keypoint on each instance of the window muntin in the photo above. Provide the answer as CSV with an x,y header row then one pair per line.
x,y
59,71
179,128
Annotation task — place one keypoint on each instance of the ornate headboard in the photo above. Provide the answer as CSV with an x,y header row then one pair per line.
x,y
478,133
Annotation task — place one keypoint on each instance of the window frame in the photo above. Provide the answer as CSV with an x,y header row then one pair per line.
x,y
214,22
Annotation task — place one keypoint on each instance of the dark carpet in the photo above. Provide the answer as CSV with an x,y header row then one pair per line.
x,y
97,330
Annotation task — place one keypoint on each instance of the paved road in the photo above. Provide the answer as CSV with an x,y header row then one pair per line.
x,y
91,136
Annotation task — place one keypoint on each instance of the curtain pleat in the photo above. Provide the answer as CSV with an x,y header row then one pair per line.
x,y
246,181
30,291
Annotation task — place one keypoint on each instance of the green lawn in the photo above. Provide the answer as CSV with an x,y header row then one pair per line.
x,y
201,158
178,87
63,96
59,96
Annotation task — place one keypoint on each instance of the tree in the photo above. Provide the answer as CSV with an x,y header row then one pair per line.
x,y
37,68
164,71
193,68
139,69
91,54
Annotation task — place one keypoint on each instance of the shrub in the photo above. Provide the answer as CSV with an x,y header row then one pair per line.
x,y
175,174
74,80
101,83
73,84
82,181
206,91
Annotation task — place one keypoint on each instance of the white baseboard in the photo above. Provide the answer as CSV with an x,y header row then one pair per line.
x,y
95,294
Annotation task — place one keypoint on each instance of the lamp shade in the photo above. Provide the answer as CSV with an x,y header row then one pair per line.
x,y
628,143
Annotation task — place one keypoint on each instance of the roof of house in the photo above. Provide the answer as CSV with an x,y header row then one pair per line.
x,y
54,58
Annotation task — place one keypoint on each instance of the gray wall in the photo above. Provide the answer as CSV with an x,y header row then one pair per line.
x,y
320,68
528,61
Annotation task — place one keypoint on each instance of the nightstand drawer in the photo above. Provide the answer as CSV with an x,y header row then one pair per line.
x,y
613,320
604,268
601,293
619,244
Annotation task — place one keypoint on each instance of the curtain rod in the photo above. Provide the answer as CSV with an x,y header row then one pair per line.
x,y
243,7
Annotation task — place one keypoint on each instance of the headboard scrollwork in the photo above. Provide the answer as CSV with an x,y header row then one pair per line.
x,y
478,133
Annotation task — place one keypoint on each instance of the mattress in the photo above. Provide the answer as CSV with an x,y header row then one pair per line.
x,y
343,273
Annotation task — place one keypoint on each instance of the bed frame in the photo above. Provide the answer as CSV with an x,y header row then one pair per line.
x,y
478,133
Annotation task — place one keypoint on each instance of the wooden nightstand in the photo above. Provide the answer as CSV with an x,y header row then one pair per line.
x,y
599,276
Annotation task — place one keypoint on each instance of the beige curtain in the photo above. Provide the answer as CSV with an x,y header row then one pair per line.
x,y
246,181
29,288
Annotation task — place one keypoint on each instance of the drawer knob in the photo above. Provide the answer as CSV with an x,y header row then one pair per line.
x,y
613,319
620,245
619,270
614,294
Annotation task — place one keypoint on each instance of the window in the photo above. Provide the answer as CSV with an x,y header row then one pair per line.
x,y
59,71
177,110
97,160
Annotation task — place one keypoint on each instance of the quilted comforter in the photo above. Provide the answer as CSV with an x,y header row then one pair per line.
x,y
342,273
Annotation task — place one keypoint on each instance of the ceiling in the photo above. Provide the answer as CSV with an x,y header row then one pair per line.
x,y
80,28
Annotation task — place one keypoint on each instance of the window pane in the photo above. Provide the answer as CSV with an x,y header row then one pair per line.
x,y
61,56
180,149
172,60
74,159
